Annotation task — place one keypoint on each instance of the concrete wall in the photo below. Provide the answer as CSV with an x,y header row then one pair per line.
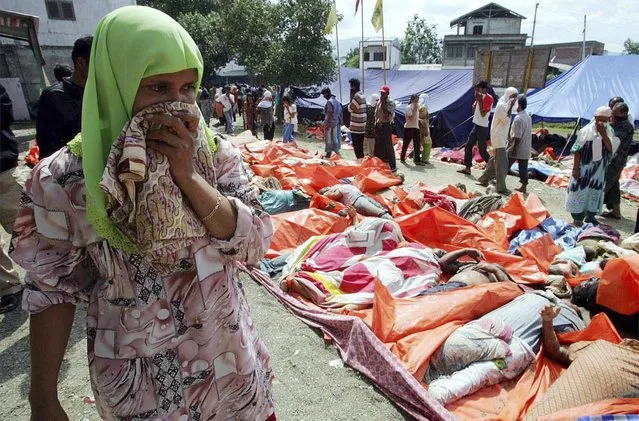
x,y
494,25
393,57
470,45
18,61
65,32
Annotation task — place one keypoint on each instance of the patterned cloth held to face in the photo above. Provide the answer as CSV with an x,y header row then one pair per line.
x,y
143,199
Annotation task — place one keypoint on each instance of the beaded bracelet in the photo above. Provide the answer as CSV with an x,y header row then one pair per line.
x,y
215,208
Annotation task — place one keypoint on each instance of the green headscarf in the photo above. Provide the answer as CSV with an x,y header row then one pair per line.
x,y
130,43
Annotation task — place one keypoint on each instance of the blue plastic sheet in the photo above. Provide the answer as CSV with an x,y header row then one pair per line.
x,y
451,95
587,86
564,234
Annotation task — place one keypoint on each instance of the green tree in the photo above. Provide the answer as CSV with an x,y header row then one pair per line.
x,y
205,31
631,47
279,42
301,55
352,58
420,44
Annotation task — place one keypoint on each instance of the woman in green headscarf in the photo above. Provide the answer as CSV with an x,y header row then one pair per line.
x,y
155,246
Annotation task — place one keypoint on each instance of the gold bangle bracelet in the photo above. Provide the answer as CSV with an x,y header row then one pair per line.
x,y
215,208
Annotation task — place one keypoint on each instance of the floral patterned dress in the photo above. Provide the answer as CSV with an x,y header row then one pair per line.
x,y
173,346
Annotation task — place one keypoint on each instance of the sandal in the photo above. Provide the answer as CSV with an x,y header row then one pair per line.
x,y
464,171
10,302
610,215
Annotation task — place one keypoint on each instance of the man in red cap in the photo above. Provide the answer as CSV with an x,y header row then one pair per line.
x,y
384,116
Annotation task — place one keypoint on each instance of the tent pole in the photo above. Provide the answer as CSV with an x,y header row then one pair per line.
x,y
361,50
339,66
574,131
383,44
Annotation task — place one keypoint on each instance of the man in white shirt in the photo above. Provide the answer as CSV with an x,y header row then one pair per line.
x,y
228,101
497,167
478,136
411,131
290,119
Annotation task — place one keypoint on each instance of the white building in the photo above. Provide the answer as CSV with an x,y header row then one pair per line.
x,y
61,22
373,57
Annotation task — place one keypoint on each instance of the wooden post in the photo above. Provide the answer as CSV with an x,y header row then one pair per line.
x,y
531,58
488,64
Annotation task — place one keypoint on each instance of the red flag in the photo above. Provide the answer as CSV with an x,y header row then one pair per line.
x,y
356,6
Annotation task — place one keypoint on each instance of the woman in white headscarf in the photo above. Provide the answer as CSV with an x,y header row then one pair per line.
x,y
593,150
424,128
369,131
497,167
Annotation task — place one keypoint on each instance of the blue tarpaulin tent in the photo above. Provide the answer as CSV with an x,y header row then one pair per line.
x,y
450,104
590,84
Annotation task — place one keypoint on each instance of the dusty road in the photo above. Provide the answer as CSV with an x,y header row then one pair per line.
x,y
306,386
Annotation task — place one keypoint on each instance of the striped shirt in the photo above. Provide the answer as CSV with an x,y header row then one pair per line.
x,y
357,108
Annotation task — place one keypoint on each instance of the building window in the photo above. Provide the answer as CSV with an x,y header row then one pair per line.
x,y
470,53
454,52
478,29
60,9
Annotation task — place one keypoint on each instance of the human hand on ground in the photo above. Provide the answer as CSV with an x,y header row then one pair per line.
x,y
549,313
176,140
475,254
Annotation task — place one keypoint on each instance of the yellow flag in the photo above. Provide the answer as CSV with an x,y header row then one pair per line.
x,y
378,16
332,20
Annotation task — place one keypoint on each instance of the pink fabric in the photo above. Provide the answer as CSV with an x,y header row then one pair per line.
x,y
160,346
363,351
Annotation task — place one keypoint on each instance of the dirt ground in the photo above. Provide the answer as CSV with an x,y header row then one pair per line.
x,y
309,384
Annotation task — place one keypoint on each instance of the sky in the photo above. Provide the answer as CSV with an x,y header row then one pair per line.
x,y
609,21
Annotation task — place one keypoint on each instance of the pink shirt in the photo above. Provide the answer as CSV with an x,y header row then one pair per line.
x,y
179,345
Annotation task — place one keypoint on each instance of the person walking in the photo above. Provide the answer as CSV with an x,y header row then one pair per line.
x,y
249,112
266,115
60,105
169,330
332,113
228,102
479,134
384,117
369,130
411,132
204,101
593,151
290,119
357,109
497,165
520,146
624,131
424,128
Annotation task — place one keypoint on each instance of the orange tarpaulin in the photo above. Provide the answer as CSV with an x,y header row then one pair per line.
x,y
438,228
292,229
511,400
619,285
558,181
413,328
514,216
542,250
374,180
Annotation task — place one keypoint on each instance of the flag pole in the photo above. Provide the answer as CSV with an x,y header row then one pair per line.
x,y
361,50
383,43
339,67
